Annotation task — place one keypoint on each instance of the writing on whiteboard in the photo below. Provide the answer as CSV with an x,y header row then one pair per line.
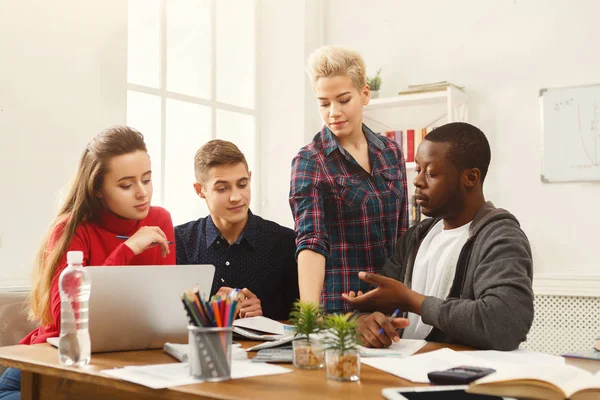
x,y
571,133
559,104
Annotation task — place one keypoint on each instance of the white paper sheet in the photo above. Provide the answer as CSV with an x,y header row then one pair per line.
x,y
168,375
517,357
403,348
415,368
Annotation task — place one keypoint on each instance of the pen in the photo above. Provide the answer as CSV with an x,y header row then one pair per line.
x,y
394,315
127,237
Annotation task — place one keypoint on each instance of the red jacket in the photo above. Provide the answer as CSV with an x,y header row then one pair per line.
x,y
100,246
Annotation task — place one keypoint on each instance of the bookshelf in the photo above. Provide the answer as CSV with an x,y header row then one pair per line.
x,y
417,110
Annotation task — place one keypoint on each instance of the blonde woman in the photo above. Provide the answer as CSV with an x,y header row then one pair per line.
x,y
348,186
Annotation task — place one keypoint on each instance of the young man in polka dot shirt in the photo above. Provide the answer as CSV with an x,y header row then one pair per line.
x,y
248,252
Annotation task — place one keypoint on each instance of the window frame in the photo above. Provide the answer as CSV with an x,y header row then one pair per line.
x,y
163,94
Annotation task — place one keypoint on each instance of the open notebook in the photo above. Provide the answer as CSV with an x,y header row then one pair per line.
x,y
544,382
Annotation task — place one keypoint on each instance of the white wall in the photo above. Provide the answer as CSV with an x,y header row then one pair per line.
x,y
62,80
503,51
289,30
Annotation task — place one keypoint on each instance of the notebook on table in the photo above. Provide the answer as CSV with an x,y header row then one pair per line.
x,y
138,307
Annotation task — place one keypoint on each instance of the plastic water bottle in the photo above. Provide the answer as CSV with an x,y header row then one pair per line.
x,y
74,346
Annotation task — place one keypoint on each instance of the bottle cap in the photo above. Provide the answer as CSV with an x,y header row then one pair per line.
x,y
75,257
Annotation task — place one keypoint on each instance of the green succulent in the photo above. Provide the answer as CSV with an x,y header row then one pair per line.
x,y
342,333
306,317
375,81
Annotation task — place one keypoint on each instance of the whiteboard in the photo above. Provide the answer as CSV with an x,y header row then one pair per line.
x,y
570,133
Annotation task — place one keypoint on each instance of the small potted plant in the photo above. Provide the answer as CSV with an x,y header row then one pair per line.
x,y
308,351
342,359
375,84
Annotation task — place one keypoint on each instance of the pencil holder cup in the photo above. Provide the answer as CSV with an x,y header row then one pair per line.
x,y
210,353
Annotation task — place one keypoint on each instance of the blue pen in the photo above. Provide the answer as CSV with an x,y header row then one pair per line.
x,y
234,294
127,237
394,315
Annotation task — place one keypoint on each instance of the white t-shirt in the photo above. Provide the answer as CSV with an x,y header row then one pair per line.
x,y
434,270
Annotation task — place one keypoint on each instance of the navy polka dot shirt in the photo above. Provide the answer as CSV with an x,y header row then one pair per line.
x,y
262,259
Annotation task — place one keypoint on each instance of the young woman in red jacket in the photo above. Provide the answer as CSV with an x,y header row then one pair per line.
x,y
109,197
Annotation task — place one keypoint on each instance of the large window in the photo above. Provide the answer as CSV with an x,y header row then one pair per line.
x,y
191,77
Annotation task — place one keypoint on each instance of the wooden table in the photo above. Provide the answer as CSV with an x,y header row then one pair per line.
x,y
42,377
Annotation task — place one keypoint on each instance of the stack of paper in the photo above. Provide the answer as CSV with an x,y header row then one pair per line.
x,y
168,375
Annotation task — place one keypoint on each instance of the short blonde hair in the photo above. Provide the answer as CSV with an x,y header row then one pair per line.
x,y
215,153
328,61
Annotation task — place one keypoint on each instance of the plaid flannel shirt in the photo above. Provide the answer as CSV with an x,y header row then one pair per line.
x,y
351,217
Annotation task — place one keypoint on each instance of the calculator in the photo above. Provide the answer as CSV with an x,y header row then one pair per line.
x,y
458,375
275,355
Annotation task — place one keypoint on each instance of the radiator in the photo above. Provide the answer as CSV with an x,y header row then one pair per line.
x,y
564,324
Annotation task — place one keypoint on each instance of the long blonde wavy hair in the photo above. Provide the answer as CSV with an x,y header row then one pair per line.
x,y
81,204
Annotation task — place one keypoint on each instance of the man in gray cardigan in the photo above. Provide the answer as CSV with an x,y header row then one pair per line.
x,y
462,276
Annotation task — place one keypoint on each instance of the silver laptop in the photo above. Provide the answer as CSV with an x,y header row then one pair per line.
x,y
139,307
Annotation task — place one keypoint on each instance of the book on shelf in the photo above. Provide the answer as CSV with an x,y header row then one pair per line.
x,y
390,135
544,382
408,140
415,212
419,136
396,136
410,145
430,87
400,138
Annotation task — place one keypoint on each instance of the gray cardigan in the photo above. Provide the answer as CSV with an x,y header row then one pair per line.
x,y
490,305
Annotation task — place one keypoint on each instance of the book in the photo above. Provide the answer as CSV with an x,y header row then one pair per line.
x,y
419,136
415,215
433,84
398,139
543,382
589,355
588,360
180,351
261,328
410,145
390,135
262,324
429,87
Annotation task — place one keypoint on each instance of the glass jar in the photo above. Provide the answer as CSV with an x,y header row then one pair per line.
x,y
342,366
308,355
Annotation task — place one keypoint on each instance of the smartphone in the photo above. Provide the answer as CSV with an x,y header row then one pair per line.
x,y
435,393
458,375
